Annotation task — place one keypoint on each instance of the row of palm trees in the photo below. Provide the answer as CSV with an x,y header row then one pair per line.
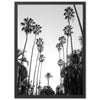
x,y
69,15
39,58
69,61
29,26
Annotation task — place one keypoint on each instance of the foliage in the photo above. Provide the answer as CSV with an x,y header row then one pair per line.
x,y
68,30
19,58
40,43
27,25
21,74
73,74
36,29
22,71
42,58
59,46
59,90
47,90
60,62
48,75
69,13
62,40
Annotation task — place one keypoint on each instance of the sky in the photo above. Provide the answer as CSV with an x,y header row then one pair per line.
x,y
52,20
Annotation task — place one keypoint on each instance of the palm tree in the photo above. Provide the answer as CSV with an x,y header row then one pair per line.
x,y
40,47
59,47
27,28
61,64
36,31
41,59
68,31
62,40
48,76
39,41
69,14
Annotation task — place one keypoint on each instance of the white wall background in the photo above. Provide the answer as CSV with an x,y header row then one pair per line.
x,y
7,50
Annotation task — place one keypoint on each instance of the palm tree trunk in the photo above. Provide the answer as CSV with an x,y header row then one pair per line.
x,y
35,72
48,81
59,54
31,58
67,49
63,54
25,43
37,77
40,74
71,43
60,76
78,19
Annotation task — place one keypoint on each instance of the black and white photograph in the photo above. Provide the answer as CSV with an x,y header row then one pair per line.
x,y
50,50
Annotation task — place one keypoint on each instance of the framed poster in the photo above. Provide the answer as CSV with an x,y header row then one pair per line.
x,y
50,50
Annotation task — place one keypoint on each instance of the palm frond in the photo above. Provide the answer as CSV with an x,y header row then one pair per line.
x,y
69,13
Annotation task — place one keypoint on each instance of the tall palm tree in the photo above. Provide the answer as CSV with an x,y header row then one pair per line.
x,y
69,14
41,59
61,64
48,76
59,47
36,31
68,31
27,28
62,40
40,48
